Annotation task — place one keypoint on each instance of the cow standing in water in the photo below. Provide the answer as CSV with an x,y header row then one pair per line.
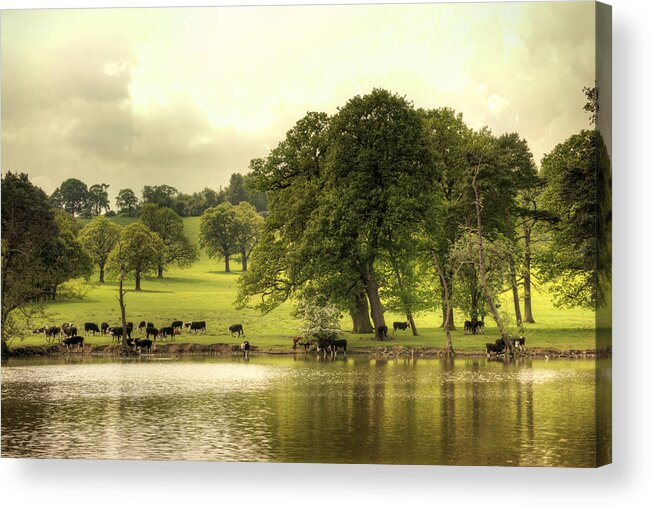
x,y
245,347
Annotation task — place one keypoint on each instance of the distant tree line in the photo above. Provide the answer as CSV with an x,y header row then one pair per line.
x,y
79,200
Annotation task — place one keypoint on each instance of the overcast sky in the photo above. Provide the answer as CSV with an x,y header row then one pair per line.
x,y
186,96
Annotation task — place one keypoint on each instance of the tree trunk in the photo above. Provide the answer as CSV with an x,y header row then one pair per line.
x,y
359,314
482,268
444,312
227,261
244,260
101,273
514,288
137,280
160,271
410,319
123,312
526,275
377,310
447,303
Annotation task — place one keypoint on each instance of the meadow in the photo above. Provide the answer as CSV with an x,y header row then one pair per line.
x,y
206,292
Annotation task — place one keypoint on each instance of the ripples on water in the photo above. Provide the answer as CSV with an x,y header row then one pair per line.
x,y
466,411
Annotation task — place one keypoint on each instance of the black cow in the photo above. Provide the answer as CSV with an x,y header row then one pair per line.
x,y
177,324
495,348
150,324
104,327
129,329
91,326
166,331
382,332
236,328
340,344
195,326
478,327
400,325
326,345
519,342
245,347
142,326
70,331
74,340
116,333
152,331
143,344
467,327
130,342
52,332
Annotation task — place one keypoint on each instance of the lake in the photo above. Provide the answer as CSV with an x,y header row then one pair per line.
x,y
466,411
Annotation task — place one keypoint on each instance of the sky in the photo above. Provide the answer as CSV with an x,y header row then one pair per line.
x,y
187,96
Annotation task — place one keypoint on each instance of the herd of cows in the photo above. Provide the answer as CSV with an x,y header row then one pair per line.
x,y
117,333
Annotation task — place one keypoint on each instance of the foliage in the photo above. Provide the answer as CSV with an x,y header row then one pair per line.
x,y
98,239
72,196
218,231
320,319
161,195
126,202
97,199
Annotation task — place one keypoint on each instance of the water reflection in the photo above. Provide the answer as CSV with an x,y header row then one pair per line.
x,y
464,411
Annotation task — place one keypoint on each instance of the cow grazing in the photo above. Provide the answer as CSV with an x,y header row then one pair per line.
x,y
400,325
116,333
382,332
196,326
519,342
177,324
166,331
152,331
91,326
467,327
52,332
341,343
104,327
142,326
150,324
74,340
70,331
478,327
236,328
143,344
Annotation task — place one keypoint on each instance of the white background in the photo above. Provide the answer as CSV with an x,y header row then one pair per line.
x,y
626,482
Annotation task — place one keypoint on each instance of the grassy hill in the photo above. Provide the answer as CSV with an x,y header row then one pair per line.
x,y
205,292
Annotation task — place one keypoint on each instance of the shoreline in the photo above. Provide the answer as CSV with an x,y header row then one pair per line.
x,y
225,349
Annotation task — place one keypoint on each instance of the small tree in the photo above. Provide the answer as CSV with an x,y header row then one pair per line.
x,y
247,230
98,238
320,319
219,233
126,202
137,251
98,199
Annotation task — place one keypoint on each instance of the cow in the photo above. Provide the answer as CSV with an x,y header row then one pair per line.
x,y
467,327
166,331
152,331
177,324
400,325
519,342
74,340
91,326
236,328
245,347
150,324
70,331
326,345
478,327
142,326
195,326
382,332
130,342
143,344
495,348
52,332
340,343
104,327
116,333
40,330
129,329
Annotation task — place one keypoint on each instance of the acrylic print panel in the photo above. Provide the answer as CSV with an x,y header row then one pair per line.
x,y
326,234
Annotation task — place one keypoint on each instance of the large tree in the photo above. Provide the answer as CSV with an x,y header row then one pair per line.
x,y
137,252
98,200
72,196
98,238
169,227
126,202
161,195
218,232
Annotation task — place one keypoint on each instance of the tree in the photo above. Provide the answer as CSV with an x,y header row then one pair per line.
x,y
162,195
235,190
126,202
72,196
29,230
169,227
218,232
98,238
321,319
98,199
137,251
247,230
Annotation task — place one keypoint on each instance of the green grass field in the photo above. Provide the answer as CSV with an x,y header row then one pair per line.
x,y
205,292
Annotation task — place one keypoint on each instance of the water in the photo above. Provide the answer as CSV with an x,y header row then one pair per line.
x,y
354,410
